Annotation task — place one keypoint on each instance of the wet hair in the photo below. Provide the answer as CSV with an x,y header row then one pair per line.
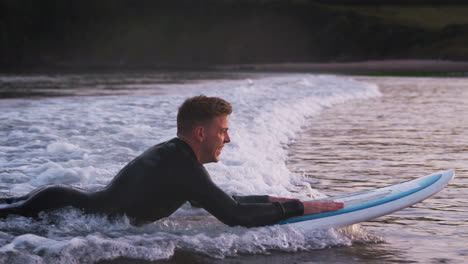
x,y
196,111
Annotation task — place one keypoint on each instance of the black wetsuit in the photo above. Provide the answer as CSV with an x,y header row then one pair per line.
x,y
153,186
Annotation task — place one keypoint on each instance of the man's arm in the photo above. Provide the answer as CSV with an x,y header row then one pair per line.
x,y
261,199
243,199
310,207
200,188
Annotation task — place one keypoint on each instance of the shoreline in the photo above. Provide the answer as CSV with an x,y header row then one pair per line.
x,y
409,67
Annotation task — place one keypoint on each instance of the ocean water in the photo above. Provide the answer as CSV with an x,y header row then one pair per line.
x,y
80,129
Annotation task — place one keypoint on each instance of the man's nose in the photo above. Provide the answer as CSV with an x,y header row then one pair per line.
x,y
227,139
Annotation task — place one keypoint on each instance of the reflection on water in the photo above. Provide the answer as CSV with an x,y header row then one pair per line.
x,y
419,126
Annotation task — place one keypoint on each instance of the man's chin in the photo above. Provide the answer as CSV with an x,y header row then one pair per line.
x,y
214,159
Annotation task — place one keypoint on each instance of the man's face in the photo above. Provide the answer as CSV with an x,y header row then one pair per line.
x,y
216,135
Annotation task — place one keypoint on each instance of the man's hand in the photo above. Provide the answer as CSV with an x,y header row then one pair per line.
x,y
320,207
311,207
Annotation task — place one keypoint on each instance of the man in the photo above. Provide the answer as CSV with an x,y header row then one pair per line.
x,y
163,178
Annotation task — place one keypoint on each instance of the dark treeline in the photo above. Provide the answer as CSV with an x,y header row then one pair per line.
x,y
191,33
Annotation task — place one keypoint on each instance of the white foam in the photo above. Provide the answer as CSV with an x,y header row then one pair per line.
x,y
59,147
84,141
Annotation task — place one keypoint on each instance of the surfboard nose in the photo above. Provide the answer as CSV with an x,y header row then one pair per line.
x,y
449,174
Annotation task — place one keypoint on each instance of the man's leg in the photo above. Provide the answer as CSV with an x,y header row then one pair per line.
x,y
46,198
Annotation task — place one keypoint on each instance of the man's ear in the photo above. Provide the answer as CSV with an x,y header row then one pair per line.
x,y
199,133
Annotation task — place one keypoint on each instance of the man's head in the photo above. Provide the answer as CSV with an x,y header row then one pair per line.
x,y
203,123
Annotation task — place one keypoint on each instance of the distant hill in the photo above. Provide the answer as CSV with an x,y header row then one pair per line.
x,y
192,34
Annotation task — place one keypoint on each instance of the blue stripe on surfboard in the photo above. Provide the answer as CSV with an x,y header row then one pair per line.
x,y
425,182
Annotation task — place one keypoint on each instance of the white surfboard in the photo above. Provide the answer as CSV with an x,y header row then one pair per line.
x,y
369,204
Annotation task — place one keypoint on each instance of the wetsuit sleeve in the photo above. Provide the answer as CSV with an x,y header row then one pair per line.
x,y
242,199
204,191
252,198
